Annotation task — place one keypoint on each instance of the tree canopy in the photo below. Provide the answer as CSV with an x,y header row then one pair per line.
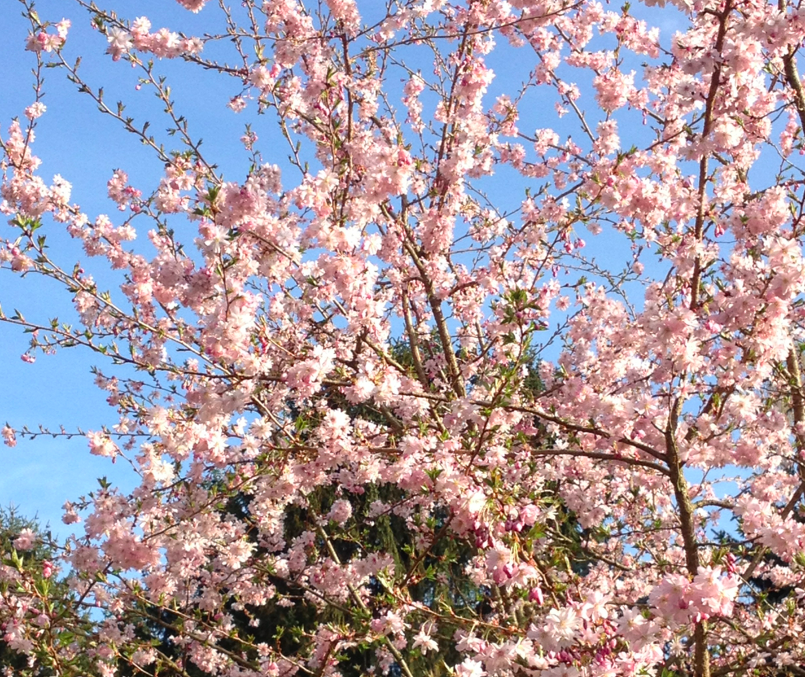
x,y
478,353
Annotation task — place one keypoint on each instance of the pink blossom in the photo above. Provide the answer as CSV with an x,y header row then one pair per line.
x,y
306,376
423,640
341,511
712,593
389,624
614,89
25,540
470,668
47,569
192,5
9,436
35,110
562,624
101,445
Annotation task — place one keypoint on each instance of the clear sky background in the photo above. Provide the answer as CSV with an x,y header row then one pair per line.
x,y
75,141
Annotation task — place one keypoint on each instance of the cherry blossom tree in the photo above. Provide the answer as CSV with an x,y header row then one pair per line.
x,y
389,411
28,567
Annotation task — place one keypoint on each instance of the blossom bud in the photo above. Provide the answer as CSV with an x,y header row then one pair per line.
x,y
535,595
